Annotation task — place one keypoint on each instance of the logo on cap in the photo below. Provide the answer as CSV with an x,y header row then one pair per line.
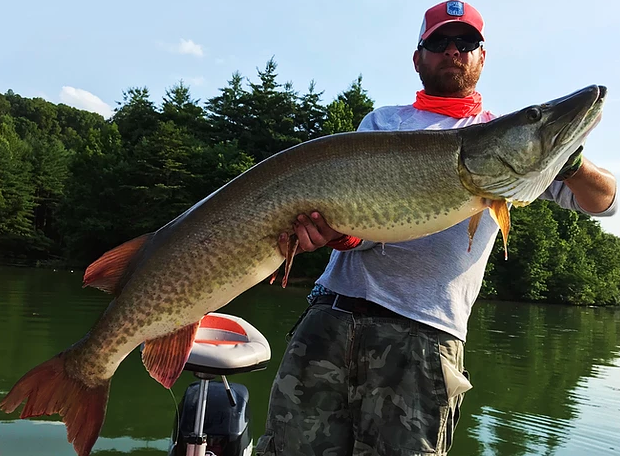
x,y
455,8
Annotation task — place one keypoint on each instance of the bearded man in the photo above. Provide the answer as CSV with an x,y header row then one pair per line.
x,y
375,365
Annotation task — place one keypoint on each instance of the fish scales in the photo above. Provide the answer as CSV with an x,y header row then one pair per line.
x,y
379,187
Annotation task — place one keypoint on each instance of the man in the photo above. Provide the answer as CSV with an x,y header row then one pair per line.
x,y
375,366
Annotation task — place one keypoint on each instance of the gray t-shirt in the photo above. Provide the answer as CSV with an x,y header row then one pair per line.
x,y
433,280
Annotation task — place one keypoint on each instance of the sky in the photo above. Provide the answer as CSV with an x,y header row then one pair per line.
x,y
85,54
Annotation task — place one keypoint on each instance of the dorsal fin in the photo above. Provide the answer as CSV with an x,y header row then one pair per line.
x,y
106,272
165,357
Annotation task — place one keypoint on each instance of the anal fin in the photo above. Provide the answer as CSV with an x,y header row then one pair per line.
x,y
165,357
501,215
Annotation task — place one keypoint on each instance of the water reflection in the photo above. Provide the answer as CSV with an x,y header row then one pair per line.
x,y
593,430
17,439
546,378
536,371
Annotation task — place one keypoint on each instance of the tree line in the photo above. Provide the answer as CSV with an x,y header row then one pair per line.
x,y
73,184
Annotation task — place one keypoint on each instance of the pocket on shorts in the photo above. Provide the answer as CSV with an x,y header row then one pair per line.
x,y
456,382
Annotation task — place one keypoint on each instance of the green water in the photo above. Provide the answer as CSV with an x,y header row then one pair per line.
x,y
546,378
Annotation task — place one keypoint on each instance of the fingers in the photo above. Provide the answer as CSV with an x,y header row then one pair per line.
x,y
310,238
312,231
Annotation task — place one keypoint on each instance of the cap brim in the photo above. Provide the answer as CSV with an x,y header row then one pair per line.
x,y
431,30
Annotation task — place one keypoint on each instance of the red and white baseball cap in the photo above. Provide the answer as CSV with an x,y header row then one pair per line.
x,y
447,12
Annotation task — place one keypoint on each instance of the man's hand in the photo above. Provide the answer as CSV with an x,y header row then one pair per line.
x,y
312,231
572,165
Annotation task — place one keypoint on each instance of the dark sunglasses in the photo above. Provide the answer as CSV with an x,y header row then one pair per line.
x,y
439,43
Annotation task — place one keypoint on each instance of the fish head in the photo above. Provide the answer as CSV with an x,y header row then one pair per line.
x,y
516,157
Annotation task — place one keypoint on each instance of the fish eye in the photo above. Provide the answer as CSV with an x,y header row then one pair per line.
x,y
534,114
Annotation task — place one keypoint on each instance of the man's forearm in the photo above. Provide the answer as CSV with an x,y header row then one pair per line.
x,y
593,187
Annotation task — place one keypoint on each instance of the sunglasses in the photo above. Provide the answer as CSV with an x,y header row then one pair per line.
x,y
439,43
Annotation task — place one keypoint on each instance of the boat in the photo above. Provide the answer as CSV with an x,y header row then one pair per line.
x,y
214,417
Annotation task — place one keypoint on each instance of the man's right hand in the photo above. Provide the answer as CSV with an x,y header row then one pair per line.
x,y
312,231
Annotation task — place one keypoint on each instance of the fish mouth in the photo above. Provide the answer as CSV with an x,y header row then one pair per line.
x,y
588,120
602,93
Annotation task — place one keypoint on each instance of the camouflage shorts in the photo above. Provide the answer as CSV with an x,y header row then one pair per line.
x,y
358,385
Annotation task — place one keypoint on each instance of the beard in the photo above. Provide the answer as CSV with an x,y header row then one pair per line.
x,y
461,80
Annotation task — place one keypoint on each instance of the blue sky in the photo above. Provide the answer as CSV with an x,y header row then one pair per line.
x,y
85,53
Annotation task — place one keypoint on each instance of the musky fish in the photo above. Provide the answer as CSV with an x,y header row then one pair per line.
x,y
380,186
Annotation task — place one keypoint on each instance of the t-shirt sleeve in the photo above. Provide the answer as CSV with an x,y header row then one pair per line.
x,y
368,123
564,197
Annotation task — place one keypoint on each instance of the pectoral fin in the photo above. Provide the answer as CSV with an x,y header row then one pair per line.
x,y
501,215
165,357
472,227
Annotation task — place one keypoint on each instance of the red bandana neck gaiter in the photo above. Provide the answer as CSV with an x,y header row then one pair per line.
x,y
453,107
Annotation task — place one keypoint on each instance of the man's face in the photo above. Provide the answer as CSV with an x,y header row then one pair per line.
x,y
450,73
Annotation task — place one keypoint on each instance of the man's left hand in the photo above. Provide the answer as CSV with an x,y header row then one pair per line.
x,y
571,166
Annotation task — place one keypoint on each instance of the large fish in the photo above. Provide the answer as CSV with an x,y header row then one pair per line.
x,y
380,186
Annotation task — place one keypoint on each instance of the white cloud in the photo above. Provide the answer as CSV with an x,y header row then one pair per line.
x,y
82,99
188,47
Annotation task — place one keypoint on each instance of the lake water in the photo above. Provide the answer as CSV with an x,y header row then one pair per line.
x,y
546,378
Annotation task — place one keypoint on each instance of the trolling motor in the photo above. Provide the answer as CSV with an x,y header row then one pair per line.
x,y
214,417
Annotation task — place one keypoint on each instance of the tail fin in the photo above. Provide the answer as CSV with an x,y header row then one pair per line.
x,y
48,389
